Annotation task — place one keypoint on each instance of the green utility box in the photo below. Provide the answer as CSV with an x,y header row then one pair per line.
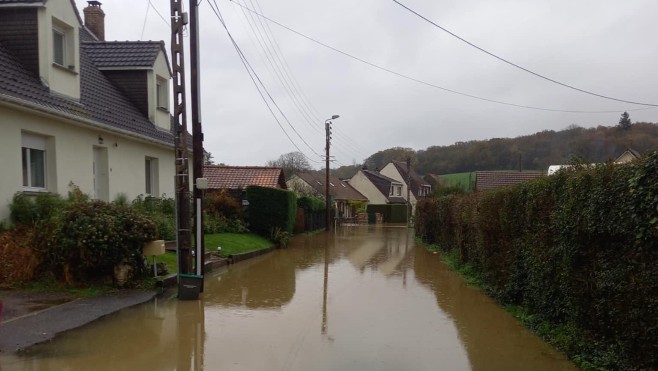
x,y
189,286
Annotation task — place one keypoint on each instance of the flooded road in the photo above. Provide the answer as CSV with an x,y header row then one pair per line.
x,y
360,298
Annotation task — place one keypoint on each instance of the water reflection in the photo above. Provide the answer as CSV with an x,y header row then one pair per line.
x,y
362,298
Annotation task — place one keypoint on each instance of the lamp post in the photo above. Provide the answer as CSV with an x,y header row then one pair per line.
x,y
327,128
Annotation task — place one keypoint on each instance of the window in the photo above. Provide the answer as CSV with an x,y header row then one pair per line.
x,y
162,97
33,154
151,176
59,47
398,190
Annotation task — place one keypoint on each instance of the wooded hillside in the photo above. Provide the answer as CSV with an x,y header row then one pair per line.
x,y
531,152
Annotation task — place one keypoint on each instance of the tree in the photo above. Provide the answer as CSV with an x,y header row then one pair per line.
x,y
207,158
625,121
292,163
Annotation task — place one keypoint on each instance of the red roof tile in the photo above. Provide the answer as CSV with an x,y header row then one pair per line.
x,y
239,177
493,179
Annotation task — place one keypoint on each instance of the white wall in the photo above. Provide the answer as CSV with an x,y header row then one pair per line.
x,y
60,79
362,184
392,172
70,157
157,115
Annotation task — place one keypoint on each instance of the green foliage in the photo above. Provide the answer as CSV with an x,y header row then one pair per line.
x,y
445,190
311,204
577,250
217,223
271,208
625,121
393,213
96,236
280,237
29,210
160,210
221,203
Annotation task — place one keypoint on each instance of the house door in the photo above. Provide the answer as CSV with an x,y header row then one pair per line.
x,y
101,174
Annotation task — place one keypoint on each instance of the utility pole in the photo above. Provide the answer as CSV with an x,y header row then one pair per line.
x,y
327,128
183,236
408,191
197,138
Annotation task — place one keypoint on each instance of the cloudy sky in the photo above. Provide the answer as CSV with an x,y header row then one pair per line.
x,y
607,47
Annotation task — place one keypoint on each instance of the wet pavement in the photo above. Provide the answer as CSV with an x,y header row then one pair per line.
x,y
362,298
30,318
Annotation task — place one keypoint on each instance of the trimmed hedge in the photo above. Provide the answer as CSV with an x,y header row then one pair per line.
x,y
578,250
394,213
311,215
271,208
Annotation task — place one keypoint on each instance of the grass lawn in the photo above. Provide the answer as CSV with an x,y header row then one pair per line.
x,y
462,180
231,243
236,243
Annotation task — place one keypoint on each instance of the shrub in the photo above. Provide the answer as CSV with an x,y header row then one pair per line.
x,y
221,203
271,208
18,261
578,250
160,210
96,236
29,210
221,224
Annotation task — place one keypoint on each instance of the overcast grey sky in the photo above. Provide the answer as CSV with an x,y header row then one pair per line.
x,y
604,46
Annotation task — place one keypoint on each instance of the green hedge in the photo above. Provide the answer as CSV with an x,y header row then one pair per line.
x,y
311,204
271,208
578,250
394,213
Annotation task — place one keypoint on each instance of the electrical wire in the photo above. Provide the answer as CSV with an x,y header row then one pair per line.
x,y
278,63
427,83
252,75
148,7
518,66
158,13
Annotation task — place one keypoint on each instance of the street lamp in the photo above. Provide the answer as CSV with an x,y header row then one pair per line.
x,y
327,128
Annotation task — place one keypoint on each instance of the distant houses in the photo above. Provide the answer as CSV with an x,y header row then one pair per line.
x,y
343,196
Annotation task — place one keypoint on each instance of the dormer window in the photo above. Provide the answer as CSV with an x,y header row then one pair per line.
x,y
63,45
162,94
59,47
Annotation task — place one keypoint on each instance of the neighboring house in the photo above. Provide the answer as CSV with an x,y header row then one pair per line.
x,y
77,109
341,193
434,180
377,188
418,189
485,180
236,179
627,156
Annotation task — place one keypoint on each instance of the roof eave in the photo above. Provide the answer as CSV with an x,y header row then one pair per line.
x,y
28,106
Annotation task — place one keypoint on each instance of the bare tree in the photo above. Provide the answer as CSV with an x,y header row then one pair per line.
x,y
292,163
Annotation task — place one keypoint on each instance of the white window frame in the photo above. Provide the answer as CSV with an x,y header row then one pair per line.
x,y
66,44
31,144
151,176
61,45
161,93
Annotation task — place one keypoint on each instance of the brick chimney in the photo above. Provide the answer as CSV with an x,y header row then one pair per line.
x,y
95,19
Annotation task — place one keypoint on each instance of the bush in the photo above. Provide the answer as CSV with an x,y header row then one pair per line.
x,y
221,224
160,210
578,249
96,236
18,261
221,203
271,208
29,210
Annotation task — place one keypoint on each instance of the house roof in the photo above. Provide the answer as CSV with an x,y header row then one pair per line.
x,y
383,184
124,54
239,177
629,152
494,179
101,103
415,180
339,189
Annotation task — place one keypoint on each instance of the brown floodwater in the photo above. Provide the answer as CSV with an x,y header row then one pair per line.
x,y
360,298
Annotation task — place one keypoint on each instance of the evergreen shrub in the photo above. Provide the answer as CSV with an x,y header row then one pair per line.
x,y
271,208
578,249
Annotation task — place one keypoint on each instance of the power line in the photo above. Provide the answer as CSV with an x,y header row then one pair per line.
x,y
148,7
424,82
520,67
158,13
281,69
252,73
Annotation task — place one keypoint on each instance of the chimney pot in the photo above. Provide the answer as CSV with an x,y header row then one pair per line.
x,y
95,19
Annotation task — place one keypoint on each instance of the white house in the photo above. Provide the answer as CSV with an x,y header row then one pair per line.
x,y
377,188
418,187
75,108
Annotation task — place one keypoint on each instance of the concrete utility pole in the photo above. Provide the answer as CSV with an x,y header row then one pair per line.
x,y
183,236
327,128
197,138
